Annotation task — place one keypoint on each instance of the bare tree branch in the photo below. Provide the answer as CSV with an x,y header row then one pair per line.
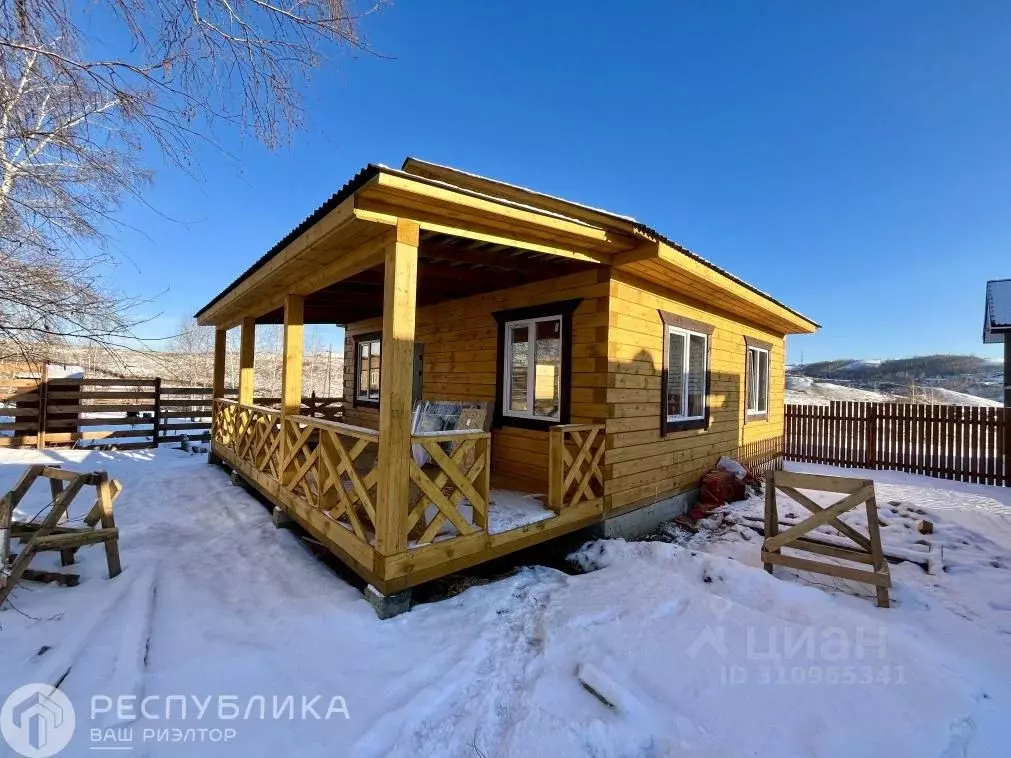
x,y
76,117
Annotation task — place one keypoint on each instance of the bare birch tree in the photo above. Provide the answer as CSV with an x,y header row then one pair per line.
x,y
75,117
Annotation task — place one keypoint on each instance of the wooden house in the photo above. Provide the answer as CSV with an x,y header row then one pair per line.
x,y
615,368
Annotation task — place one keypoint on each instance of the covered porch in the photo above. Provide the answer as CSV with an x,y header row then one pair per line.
x,y
396,518
328,476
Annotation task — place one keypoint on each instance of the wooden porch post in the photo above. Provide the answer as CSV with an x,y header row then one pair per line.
x,y
220,344
291,374
217,391
247,346
396,381
291,369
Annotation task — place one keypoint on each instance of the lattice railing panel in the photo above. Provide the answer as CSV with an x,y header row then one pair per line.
x,y
334,468
575,452
450,492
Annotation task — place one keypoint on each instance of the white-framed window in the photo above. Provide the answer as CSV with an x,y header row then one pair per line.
x,y
758,381
532,368
368,354
687,352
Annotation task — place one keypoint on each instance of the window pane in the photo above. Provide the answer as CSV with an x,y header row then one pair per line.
x,y
519,352
363,384
675,375
374,362
696,375
752,379
548,372
763,381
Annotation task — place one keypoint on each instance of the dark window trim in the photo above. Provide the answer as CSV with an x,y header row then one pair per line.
x,y
364,337
749,342
689,324
683,322
563,308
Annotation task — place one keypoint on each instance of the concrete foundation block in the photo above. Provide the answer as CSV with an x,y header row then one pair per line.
x,y
644,520
388,606
281,519
212,458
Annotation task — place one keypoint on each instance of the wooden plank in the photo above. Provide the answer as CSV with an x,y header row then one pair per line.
x,y
25,482
105,500
395,388
1001,448
837,524
90,382
105,395
840,484
156,421
877,553
291,378
6,516
74,539
821,517
217,388
842,572
247,349
291,367
771,514
56,513
50,577
119,446
820,548
105,408
44,390
182,427
974,444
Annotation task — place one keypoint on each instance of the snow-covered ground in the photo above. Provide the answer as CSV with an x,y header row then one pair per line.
x,y
803,390
701,651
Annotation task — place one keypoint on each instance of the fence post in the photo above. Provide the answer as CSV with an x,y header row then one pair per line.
x,y
157,411
871,436
1004,460
40,439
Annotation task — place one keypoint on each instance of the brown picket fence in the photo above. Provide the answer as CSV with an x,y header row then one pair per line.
x,y
959,442
123,414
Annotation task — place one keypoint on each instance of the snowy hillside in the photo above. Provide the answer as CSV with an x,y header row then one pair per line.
x,y
803,390
923,379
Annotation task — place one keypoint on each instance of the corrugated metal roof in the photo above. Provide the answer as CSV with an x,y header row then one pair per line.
x,y
372,170
353,185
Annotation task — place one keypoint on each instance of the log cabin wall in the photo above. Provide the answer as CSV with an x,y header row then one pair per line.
x,y
460,341
641,466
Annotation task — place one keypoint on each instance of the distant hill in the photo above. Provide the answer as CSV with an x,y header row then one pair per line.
x,y
925,378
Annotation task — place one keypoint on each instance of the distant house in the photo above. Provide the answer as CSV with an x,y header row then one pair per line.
x,y
997,325
613,367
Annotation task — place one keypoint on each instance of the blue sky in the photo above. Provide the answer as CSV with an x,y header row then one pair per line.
x,y
852,159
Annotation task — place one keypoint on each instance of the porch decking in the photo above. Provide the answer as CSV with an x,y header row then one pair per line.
x,y
326,475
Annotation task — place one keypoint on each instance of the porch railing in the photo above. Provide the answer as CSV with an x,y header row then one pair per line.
x,y
334,469
575,452
331,469
451,490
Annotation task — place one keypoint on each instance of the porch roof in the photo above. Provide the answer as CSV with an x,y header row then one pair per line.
x,y
491,231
